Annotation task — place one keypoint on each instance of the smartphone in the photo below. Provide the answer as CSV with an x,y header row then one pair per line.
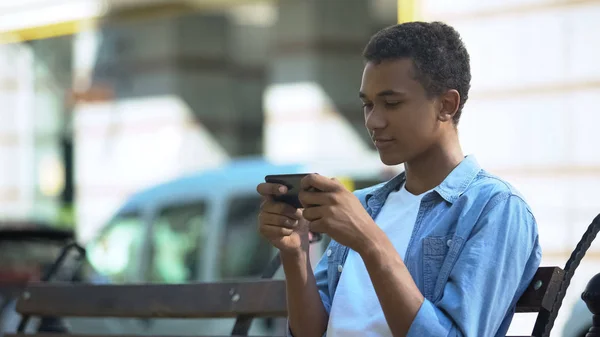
x,y
292,182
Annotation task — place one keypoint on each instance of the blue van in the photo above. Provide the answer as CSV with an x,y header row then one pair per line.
x,y
198,228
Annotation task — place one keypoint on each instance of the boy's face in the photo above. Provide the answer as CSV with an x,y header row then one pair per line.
x,y
402,121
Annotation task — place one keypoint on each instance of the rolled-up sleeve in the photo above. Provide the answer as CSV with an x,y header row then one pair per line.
x,y
492,271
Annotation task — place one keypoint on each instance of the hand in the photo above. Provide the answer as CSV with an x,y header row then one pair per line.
x,y
281,224
335,211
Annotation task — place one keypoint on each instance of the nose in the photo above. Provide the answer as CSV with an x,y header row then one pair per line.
x,y
375,119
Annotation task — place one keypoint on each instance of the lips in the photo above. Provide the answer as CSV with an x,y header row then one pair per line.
x,y
382,143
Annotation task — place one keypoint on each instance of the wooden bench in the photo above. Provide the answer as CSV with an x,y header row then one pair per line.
x,y
261,298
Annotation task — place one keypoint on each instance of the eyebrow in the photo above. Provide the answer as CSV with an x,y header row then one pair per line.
x,y
384,93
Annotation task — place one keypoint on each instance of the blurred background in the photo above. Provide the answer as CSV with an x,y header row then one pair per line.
x,y
140,128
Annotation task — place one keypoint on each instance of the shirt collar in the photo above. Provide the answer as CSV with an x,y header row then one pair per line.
x,y
453,186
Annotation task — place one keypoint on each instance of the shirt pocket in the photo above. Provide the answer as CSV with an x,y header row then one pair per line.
x,y
437,261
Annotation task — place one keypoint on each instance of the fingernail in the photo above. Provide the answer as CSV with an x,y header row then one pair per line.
x,y
282,189
290,223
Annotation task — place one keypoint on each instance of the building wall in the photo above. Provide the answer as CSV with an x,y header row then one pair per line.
x,y
31,169
532,116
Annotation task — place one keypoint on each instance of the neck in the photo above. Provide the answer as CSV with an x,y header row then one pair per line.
x,y
429,169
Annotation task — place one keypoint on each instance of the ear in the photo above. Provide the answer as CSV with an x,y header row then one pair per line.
x,y
449,102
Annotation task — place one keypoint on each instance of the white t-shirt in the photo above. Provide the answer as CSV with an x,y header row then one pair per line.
x,y
355,309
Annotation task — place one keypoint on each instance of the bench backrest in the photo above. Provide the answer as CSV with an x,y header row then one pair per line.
x,y
203,300
542,290
261,298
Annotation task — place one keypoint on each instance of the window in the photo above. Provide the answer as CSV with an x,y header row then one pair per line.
x,y
25,259
116,252
178,235
244,253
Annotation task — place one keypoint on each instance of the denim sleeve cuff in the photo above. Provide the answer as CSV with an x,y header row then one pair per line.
x,y
430,321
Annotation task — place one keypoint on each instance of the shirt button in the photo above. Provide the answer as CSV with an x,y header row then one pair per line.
x,y
340,268
449,242
328,252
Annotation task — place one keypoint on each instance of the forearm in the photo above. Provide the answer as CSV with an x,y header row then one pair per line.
x,y
398,294
306,313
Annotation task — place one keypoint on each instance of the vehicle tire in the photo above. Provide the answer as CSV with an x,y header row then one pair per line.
x,y
583,333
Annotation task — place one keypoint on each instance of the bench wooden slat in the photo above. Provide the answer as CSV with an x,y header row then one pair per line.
x,y
262,298
533,300
9,290
71,335
265,297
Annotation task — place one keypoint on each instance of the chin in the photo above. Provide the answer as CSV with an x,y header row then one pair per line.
x,y
391,159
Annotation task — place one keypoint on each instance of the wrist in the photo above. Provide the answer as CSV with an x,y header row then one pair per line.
x,y
295,264
373,246
298,254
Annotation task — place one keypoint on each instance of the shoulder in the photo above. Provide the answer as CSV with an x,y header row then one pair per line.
x,y
500,207
504,213
493,191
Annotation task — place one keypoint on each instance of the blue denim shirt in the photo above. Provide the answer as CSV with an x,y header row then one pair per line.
x,y
473,252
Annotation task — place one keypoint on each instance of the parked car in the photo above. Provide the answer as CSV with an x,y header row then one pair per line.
x,y
27,250
197,228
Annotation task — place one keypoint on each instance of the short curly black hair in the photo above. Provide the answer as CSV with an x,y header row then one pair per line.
x,y
437,51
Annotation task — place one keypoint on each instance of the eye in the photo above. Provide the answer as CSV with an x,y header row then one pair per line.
x,y
367,105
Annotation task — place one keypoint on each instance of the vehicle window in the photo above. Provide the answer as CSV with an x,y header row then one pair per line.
x,y
244,253
22,260
115,253
178,234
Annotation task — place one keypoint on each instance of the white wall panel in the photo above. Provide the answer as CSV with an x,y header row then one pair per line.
x,y
446,9
517,132
584,42
515,51
584,113
533,115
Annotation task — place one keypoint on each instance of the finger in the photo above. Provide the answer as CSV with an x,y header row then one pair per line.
x,y
338,183
319,182
311,199
314,213
306,182
269,231
280,208
317,226
268,189
298,214
277,220
265,199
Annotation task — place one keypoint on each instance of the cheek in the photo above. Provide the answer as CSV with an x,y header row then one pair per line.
x,y
422,117
413,123
405,119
